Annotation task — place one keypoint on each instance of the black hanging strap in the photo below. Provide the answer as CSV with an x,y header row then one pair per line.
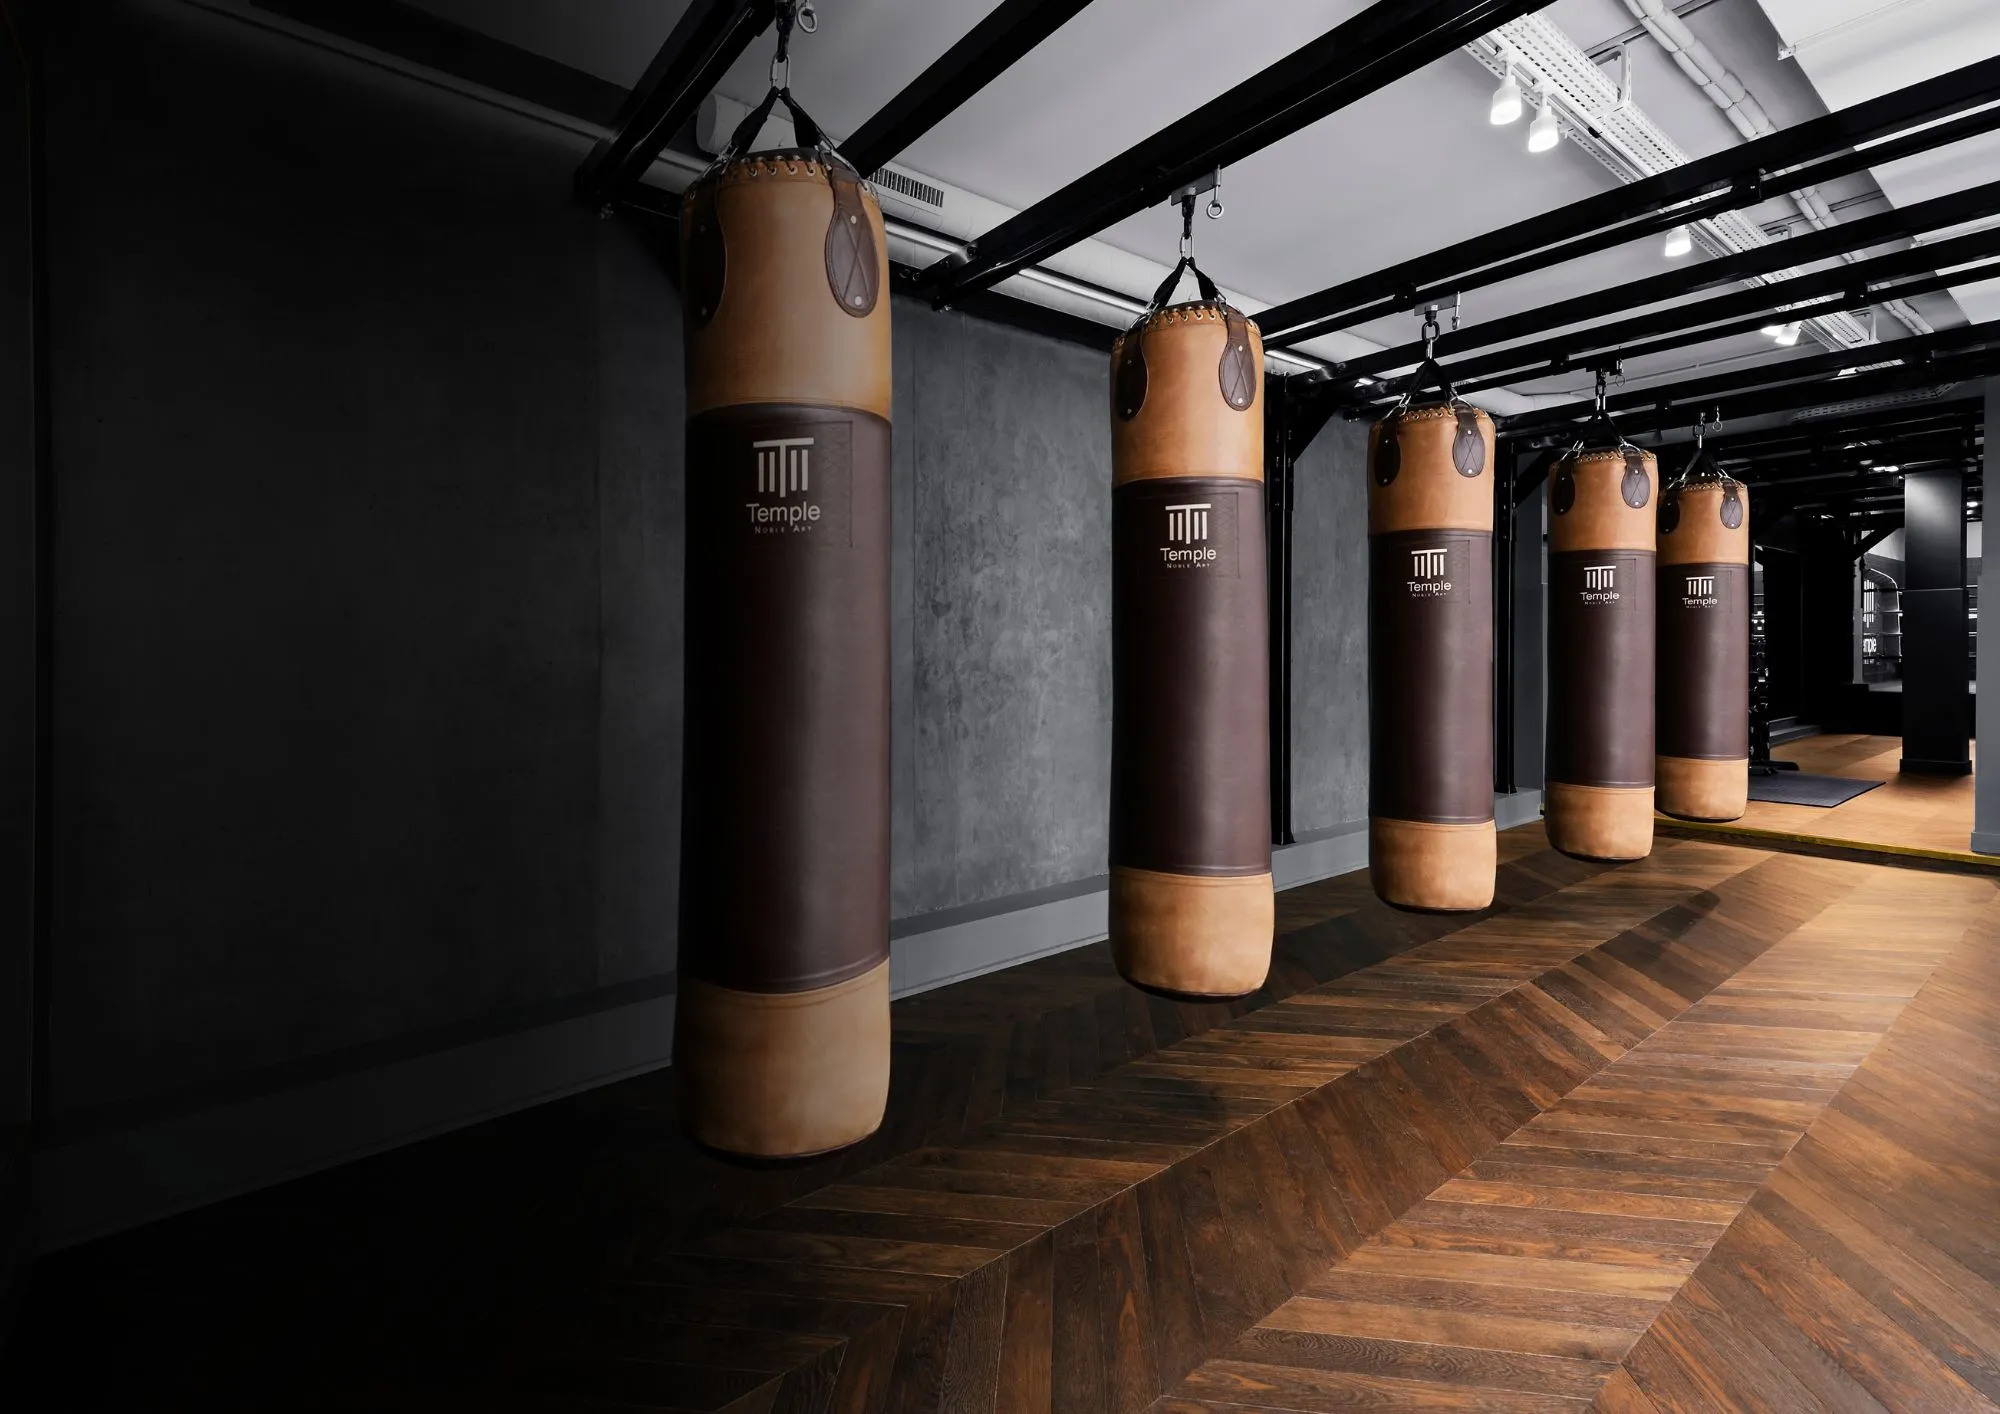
x,y
809,132
1207,286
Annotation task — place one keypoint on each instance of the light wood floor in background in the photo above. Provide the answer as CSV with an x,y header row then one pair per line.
x,y
1932,814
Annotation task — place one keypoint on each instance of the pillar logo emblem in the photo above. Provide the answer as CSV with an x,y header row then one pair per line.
x,y
1701,586
1189,523
783,466
1427,564
1599,576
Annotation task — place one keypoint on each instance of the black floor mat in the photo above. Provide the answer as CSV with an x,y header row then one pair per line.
x,y
1798,788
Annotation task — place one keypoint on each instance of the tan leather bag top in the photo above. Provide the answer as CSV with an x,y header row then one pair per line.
x,y
785,273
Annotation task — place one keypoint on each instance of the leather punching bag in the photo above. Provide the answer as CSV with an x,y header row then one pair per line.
x,y
1191,902
1599,751
1430,657
782,1038
1704,654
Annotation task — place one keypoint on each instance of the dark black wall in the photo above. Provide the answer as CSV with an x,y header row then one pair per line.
x,y
1936,715
18,653
367,565
368,447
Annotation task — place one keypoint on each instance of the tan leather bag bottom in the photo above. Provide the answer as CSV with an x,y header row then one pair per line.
x,y
1192,934
1439,868
1600,822
776,1075
1702,790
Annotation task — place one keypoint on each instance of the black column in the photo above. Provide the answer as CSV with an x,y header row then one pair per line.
x,y
1936,729
1826,627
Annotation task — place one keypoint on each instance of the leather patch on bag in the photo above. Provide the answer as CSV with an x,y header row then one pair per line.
x,y
1670,513
707,256
1238,369
1468,448
1732,508
1388,450
1128,388
1563,495
1636,487
852,263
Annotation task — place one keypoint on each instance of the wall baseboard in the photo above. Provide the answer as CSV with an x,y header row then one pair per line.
x,y
105,1183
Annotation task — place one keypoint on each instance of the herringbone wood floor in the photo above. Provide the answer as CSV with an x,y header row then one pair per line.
x,y
1522,1161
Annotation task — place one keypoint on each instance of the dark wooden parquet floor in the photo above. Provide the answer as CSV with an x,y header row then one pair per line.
x,y
1533,1159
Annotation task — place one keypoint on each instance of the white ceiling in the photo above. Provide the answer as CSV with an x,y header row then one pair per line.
x,y
1406,170
1853,50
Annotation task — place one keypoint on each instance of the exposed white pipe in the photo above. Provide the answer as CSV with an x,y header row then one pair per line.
x,y
1729,93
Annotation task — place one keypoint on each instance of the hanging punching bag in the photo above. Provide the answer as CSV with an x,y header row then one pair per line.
x,y
1191,903
1704,652
1599,757
781,1042
1430,657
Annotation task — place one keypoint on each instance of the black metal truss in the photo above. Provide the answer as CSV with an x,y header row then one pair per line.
x,y
1729,180
709,37
1385,42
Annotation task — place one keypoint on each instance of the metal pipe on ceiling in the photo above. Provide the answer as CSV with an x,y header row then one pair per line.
x,y
1390,39
1707,71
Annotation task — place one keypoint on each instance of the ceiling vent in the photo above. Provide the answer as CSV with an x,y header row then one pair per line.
x,y
908,187
1884,400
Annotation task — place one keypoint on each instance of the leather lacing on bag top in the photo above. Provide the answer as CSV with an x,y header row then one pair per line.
x,y
1598,436
853,264
1236,371
1468,447
1702,470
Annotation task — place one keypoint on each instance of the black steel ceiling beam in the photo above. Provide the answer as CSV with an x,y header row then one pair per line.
x,y
1562,355
1985,120
1737,177
1672,410
1837,240
1008,32
1385,42
710,36
1743,311
1920,350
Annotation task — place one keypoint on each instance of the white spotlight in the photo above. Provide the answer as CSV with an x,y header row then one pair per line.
x,y
1543,133
1788,334
1506,101
1680,240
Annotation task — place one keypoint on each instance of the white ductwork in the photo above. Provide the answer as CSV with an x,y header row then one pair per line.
x,y
1745,113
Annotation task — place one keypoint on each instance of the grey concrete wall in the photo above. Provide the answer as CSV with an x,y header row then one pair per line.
x,y
1330,631
369,451
1004,453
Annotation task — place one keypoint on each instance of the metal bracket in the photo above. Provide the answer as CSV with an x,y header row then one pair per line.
x,y
1200,187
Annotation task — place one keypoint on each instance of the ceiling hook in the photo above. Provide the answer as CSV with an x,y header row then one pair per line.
x,y
1215,198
